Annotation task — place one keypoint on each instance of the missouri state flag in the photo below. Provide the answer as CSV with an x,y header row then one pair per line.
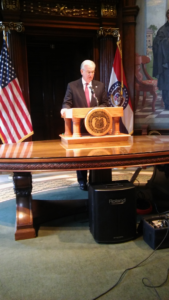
x,y
15,121
118,92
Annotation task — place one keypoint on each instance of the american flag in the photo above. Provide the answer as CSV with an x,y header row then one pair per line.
x,y
15,121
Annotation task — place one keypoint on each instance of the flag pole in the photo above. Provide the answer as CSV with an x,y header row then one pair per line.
x,y
5,38
120,49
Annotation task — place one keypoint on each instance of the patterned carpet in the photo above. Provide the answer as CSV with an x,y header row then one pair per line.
x,y
52,181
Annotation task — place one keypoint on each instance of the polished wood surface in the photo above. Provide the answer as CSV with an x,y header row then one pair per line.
x,y
82,112
44,155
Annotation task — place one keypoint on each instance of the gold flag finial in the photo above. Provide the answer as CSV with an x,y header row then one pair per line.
x,y
5,38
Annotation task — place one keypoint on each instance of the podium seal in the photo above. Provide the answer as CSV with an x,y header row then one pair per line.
x,y
98,121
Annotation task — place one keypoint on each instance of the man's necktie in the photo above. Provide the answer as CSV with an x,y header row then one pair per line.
x,y
87,95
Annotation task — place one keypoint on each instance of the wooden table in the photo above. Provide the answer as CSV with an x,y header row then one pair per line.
x,y
45,156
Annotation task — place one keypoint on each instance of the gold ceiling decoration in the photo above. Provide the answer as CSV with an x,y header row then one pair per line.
x,y
68,8
82,12
108,11
8,26
102,32
10,4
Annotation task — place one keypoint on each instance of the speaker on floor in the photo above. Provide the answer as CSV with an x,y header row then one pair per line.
x,y
112,211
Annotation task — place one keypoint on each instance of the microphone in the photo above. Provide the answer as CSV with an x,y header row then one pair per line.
x,y
93,93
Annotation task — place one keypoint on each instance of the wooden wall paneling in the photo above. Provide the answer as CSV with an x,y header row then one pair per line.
x,y
128,2
54,83
96,56
18,54
107,44
35,66
46,76
128,44
107,52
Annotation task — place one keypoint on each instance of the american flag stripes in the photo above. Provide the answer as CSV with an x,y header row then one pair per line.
x,y
15,121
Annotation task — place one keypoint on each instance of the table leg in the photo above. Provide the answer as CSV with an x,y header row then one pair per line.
x,y
24,217
31,213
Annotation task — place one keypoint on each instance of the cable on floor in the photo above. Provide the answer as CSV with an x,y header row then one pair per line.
x,y
136,173
155,286
136,266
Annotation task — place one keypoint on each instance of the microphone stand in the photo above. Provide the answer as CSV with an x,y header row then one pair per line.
x,y
93,93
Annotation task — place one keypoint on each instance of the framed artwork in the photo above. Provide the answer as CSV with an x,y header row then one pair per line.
x,y
151,104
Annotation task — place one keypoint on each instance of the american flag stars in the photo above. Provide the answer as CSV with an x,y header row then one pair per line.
x,y
15,120
7,72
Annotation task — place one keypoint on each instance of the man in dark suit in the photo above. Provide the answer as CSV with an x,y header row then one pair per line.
x,y
85,92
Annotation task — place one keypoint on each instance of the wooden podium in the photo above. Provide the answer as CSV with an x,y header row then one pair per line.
x,y
102,123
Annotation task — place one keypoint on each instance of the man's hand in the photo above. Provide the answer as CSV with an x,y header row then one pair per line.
x,y
63,110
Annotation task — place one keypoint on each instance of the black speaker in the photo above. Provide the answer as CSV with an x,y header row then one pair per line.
x,y
112,211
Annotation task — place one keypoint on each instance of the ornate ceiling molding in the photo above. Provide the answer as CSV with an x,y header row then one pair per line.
x,y
88,9
63,10
103,32
10,5
8,26
108,11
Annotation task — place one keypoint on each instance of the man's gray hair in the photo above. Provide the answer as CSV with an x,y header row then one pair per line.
x,y
87,63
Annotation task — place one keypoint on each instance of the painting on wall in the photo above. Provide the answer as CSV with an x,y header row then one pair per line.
x,y
152,66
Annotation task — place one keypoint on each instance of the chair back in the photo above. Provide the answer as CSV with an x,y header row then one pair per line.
x,y
138,64
140,68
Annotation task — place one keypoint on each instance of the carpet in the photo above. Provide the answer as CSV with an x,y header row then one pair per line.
x,y
65,262
45,182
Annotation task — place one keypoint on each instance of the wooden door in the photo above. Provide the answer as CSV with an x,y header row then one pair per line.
x,y
52,63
